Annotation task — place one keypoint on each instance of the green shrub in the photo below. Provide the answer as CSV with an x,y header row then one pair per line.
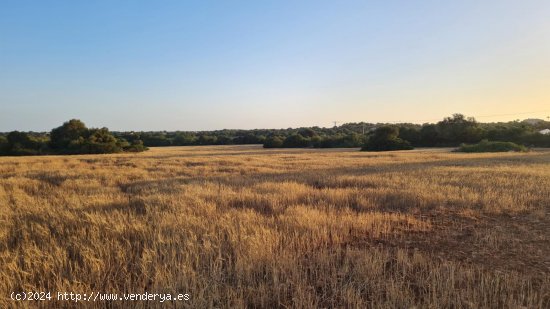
x,y
135,146
487,146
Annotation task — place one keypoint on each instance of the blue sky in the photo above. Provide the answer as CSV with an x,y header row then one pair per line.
x,y
201,65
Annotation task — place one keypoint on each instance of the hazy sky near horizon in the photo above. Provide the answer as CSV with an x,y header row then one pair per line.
x,y
202,65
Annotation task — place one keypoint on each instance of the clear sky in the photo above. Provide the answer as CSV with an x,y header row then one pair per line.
x,y
201,65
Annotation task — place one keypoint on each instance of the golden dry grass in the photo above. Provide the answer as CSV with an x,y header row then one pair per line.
x,y
240,226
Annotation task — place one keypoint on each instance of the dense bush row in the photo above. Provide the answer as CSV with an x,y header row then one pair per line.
x,y
486,146
73,137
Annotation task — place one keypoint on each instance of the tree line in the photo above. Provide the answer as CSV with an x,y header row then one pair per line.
x,y
449,132
74,138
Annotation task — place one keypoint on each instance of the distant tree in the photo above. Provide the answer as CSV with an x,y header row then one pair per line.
x,y
71,133
101,141
273,142
260,138
535,139
16,137
459,129
156,139
207,140
20,143
508,132
223,140
428,135
386,138
330,141
349,140
184,139
129,136
295,141
316,141
307,132
248,138
410,133
353,140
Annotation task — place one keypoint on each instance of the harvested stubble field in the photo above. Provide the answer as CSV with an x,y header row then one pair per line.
x,y
240,226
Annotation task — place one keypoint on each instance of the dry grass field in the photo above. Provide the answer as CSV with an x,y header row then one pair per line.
x,y
241,226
